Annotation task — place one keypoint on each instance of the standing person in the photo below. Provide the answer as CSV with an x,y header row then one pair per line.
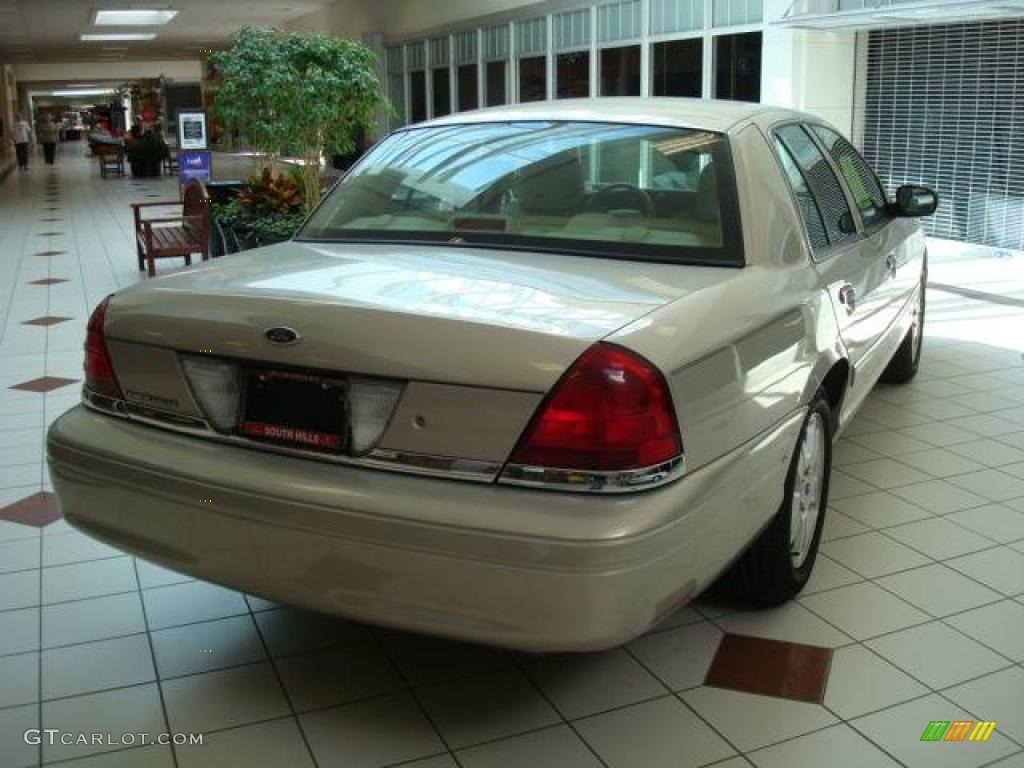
x,y
21,135
48,135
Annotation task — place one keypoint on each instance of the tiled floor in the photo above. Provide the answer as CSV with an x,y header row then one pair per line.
x,y
917,601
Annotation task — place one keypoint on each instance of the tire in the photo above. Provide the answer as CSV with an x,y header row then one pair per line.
x,y
779,562
903,366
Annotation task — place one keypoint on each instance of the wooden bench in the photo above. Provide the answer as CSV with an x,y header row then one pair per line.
x,y
111,158
176,236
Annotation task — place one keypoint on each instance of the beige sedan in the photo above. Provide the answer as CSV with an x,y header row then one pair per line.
x,y
533,376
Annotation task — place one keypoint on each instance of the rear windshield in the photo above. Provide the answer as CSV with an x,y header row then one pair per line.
x,y
595,188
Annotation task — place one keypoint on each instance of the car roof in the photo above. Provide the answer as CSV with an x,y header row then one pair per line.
x,y
704,114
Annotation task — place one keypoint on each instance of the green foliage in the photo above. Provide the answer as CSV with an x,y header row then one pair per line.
x,y
307,92
268,208
276,227
265,194
228,213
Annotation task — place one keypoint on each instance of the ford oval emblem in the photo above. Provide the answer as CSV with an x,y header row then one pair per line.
x,y
281,335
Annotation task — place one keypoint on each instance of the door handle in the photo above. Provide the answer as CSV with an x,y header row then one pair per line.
x,y
848,297
890,263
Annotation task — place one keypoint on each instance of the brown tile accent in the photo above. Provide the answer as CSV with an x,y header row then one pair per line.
x,y
38,510
46,320
49,253
48,281
44,384
770,667
49,234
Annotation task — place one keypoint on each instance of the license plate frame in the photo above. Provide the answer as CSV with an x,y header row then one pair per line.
x,y
295,409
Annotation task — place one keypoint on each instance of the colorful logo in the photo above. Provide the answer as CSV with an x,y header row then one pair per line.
x,y
958,730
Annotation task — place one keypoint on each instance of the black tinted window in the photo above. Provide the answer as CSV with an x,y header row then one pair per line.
x,y
824,185
860,179
804,199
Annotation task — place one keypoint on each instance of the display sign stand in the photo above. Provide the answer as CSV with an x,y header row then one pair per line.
x,y
194,159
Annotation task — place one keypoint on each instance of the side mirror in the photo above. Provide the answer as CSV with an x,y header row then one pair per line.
x,y
912,200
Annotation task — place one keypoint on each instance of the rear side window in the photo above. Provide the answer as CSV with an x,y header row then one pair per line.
x,y
824,186
804,199
860,179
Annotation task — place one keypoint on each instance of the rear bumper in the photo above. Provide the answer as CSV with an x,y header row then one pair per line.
x,y
515,567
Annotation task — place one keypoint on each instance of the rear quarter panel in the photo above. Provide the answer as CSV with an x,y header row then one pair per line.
x,y
744,353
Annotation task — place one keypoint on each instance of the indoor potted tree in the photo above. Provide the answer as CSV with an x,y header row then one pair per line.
x,y
309,94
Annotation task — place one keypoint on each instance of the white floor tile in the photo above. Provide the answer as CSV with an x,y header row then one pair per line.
x,y
837,747
655,734
750,721
860,682
937,655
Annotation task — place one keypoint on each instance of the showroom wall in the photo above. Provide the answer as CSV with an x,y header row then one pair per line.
x,y
565,48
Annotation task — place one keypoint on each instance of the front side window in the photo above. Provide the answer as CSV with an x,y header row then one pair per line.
x,y
825,187
628,191
860,179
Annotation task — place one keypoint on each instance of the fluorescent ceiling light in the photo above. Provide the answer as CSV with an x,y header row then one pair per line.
x,y
133,18
90,37
84,92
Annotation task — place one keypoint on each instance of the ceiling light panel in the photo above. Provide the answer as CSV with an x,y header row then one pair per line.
x,y
133,17
90,37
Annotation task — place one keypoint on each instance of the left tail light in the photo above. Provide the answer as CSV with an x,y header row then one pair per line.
x,y
99,371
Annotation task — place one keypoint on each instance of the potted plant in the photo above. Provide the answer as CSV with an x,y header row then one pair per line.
x,y
146,153
309,94
268,209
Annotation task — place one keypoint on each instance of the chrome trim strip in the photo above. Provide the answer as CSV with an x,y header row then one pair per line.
x,y
581,481
425,465
444,467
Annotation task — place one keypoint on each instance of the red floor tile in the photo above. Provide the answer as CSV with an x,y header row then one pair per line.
x,y
770,667
38,510
44,384
46,320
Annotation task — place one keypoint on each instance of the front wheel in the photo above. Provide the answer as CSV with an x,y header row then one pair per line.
x,y
779,562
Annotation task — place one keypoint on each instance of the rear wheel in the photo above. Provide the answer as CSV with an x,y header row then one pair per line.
x,y
779,562
903,366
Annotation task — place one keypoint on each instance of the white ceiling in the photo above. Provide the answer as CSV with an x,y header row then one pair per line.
x,y
48,30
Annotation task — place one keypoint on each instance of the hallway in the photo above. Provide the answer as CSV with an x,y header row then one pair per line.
x,y
917,600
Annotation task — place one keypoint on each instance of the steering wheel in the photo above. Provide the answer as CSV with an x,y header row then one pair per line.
x,y
622,197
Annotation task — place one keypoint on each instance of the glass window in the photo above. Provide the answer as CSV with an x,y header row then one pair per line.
x,y
619,190
618,21
572,75
677,68
668,16
738,67
442,92
417,96
466,84
620,71
860,179
496,79
533,78
825,187
804,199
